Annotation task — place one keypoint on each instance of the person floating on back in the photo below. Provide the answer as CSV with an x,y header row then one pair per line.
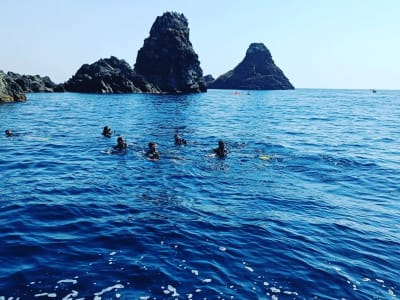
x,y
221,151
179,140
107,131
8,133
152,153
121,144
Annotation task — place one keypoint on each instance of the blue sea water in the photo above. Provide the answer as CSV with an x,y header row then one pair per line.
x,y
305,206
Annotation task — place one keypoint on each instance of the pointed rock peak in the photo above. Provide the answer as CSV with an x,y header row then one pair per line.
x,y
258,49
257,71
167,58
168,21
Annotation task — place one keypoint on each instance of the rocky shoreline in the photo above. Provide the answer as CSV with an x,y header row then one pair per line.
x,y
166,63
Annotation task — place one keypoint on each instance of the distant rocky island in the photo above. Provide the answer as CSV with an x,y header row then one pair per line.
x,y
166,63
257,71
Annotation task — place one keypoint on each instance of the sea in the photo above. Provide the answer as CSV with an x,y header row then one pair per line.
x,y
306,205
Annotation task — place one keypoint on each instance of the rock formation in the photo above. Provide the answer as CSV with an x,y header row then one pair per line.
x,y
167,59
10,90
257,71
209,79
110,75
33,83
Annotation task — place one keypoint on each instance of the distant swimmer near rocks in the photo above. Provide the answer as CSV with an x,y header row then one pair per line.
x,y
107,132
179,140
152,153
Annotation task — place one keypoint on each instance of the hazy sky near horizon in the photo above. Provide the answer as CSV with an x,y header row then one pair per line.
x,y
317,44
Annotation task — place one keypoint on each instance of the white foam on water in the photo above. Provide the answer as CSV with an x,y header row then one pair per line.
x,y
291,293
198,290
266,283
189,296
70,296
144,297
172,290
380,280
49,295
249,268
222,249
113,253
109,289
274,297
366,279
207,280
275,290
195,272
73,281
391,293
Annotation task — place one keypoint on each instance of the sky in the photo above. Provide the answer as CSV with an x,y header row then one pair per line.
x,y
349,44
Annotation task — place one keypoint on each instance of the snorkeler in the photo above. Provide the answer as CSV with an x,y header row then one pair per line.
x,y
121,144
152,153
221,151
107,131
8,133
179,140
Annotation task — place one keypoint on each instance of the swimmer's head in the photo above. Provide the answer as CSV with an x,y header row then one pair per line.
x,y
8,132
152,145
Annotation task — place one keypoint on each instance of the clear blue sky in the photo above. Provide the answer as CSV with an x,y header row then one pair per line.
x,y
317,44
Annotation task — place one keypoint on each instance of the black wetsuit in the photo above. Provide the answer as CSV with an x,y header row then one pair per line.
x,y
153,154
220,152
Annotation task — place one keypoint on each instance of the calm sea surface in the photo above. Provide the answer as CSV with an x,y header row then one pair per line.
x,y
305,206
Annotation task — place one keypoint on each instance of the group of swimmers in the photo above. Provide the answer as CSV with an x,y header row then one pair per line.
x,y
152,153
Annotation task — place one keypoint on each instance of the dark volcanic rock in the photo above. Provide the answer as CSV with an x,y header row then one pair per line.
x,y
110,75
33,83
167,58
10,90
257,71
209,79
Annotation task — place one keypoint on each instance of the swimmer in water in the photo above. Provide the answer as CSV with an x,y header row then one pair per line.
x,y
179,140
121,144
8,133
107,131
152,153
221,151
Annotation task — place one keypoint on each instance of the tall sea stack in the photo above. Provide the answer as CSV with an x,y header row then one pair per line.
x,y
167,59
257,71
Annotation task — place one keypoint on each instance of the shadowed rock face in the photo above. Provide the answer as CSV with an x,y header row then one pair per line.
x,y
33,83
209,79
257,71
110,75
10,91
167,59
